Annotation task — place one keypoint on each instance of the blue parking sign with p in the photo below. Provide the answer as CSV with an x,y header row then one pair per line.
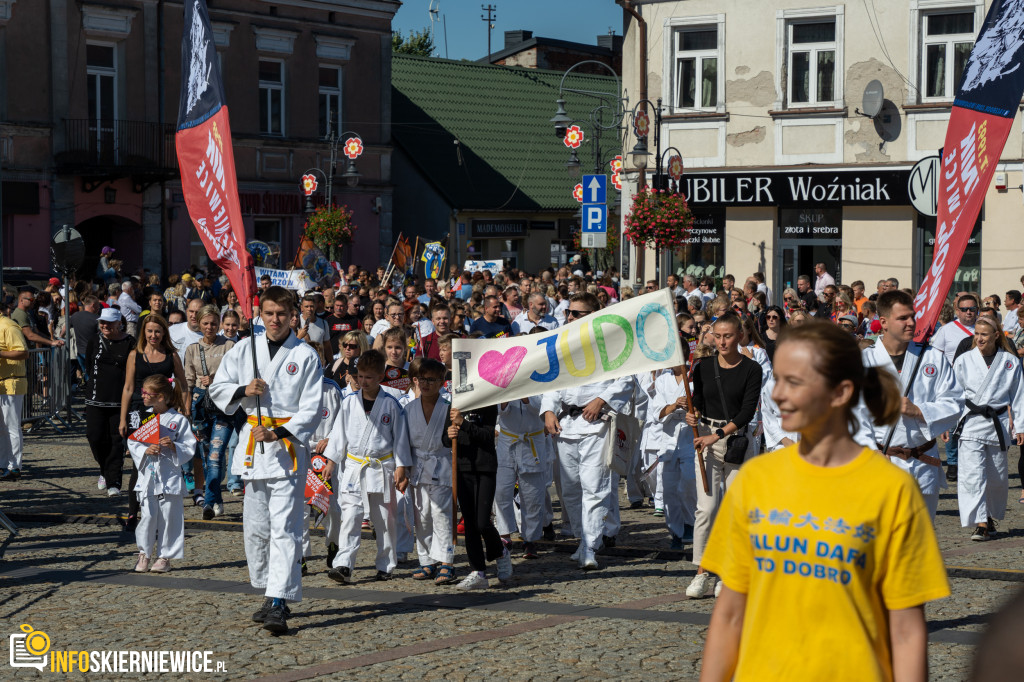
x,y
595,218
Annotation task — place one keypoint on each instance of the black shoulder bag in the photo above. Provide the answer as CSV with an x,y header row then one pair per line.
x,y
735,445
206,402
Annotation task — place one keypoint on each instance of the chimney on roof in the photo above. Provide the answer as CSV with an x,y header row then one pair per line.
x,y
516,37
610,42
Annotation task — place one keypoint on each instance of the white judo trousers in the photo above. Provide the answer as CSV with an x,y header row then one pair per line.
x,y
586,487
523,456
678,487
433,523
166,514
382,515
10,431
272,521
405,520
983,485
529,520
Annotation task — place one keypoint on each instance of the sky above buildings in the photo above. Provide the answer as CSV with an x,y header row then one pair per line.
x,y
576,20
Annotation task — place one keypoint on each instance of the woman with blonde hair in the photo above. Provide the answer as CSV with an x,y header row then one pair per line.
x,y
343,370
825,535
990,375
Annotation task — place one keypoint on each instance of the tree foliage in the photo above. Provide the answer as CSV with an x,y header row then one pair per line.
x,y
419,43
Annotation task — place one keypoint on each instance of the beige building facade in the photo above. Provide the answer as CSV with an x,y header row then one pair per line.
x,y
783,169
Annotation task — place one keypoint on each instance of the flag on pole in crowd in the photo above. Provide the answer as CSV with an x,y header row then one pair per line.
x,y
986,102
148,431
206,157
313,261
402,254
433,255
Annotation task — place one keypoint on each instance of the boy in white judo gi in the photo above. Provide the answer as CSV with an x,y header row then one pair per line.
x,y
932,407
372,437
672,438
330,408
432,475
288,392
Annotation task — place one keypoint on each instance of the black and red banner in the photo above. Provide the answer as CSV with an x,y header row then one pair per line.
x,y
206,157
986,101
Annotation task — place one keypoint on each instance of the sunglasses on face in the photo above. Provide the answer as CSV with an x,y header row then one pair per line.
x,y
576,313
771,317
350,346
847,326
972,309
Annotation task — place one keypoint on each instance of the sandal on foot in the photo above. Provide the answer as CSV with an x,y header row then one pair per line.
x,y
445,575
424,573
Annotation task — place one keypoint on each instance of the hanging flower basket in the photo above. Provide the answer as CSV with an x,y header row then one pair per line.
x,y
330,227
659,220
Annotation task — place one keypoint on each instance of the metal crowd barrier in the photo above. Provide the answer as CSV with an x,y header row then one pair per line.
x,y
48,401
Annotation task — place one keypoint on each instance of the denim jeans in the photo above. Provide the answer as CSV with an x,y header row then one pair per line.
x,y
232,482
214,431
952,450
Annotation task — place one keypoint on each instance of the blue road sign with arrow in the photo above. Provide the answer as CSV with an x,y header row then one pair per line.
x,y
595,189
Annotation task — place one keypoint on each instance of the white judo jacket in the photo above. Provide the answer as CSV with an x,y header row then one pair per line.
x,y
999,388
432,462
161,474
293,401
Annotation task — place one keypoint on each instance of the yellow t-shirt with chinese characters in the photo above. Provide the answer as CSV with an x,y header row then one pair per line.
x,y
822,553
13,380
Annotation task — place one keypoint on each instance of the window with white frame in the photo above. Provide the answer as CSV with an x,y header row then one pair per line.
x,y
811,63
696,66
271,72
947,39
330,100
101,84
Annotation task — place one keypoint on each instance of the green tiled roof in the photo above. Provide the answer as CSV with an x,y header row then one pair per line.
x,y
507,156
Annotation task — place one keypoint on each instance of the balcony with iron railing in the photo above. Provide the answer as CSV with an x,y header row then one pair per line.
x,y
117,148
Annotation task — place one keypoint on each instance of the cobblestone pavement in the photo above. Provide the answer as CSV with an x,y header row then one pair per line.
x,y
67,573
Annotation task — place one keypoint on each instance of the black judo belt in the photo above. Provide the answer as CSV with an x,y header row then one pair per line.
x,y
572,411
985,411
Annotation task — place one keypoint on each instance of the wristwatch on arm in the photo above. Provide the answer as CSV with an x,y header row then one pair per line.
x,y
720,432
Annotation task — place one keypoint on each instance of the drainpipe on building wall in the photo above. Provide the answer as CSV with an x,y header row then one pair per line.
x,y
161,103
629,7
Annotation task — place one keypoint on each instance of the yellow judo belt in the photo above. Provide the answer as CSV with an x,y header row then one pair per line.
x,y
525,438
269,423
369,461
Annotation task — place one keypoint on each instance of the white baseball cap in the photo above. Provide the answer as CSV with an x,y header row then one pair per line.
x,y
110,315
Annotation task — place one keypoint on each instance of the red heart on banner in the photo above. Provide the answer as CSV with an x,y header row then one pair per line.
x,y
500,368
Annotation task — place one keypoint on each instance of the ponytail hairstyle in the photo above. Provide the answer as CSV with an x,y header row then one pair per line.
x,y
997,328
838,359
158,383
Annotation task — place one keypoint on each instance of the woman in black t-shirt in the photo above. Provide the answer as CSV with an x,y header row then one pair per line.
x,y
721,427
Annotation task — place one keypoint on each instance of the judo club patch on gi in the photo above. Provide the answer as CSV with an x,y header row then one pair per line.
x,y
930,370
292,368
172,426
327,413
386,419
1009,365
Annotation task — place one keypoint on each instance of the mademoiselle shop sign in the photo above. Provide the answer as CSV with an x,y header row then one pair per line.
x,y
637,335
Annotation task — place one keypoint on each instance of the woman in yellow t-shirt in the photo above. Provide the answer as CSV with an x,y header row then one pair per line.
x,y
826,549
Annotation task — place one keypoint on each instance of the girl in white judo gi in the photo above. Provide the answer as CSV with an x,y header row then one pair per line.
x,y
161,485
288,391
522,456
990,374
672,439
372,437
432,475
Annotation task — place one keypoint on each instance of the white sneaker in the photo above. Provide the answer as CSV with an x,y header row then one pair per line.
x,y
718,588
577,554
113,492
476,580
143,563
589,563
699,586
101,484
218,508
505,566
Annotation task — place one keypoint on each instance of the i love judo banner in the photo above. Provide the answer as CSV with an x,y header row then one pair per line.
x,y
637,335
986,102
206,158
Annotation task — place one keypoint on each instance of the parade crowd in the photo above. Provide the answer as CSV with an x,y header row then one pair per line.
x,y
355,379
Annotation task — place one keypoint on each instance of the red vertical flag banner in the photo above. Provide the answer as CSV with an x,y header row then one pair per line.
x,y
206,158
983,110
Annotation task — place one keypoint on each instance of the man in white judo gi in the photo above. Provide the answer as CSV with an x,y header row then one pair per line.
x,y
932,407
287,389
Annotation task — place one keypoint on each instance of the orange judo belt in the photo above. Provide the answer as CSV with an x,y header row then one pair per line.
x,y
269,423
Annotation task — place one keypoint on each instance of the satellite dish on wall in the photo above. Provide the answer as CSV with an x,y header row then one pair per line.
x,y
874,96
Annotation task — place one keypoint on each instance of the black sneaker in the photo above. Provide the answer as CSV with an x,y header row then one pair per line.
x,y
276,620
332,551
529,550
636,505
305,570
261,613
549,532
340,575
383,575
207,513
951,473
980,534
991,526
11,475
